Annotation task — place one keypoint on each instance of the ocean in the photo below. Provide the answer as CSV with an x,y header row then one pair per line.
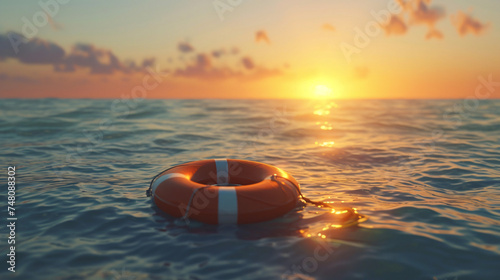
x,y
426,174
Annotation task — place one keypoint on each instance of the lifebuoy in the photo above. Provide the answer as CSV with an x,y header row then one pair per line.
x,y
217,191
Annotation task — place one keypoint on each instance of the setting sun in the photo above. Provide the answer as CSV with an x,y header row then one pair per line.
x,y
322,91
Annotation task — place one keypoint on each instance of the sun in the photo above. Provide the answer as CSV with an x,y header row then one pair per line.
x,y
322,91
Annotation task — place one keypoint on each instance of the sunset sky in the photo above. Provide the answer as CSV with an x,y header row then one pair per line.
x,y
248,49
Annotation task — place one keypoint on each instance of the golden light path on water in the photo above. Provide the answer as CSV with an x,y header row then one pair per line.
x,y
326,221
324,107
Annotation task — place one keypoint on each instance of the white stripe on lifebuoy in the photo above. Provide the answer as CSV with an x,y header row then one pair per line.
x,y
222,171
228,206
161,179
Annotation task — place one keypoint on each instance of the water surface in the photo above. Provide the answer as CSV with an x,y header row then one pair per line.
x,y
426,173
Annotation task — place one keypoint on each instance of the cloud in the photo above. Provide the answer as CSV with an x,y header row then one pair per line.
x,y
261,35
96,60
99,61
421,13
202,66
148,62
248,63
185,47
39,51
434,33
132,66
218,53
209,66
465,24
222,51
395,26
34,51
203,60
6,49
328,27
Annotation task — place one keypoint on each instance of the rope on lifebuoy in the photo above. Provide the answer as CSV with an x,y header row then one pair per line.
x,y
186,215
149,191
317,203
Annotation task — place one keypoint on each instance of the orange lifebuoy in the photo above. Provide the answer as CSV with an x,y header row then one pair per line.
x,y
225,191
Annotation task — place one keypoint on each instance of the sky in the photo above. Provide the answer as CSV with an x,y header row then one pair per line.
x,y
249,49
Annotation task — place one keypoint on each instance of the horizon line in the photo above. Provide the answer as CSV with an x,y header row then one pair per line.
x,y
216,98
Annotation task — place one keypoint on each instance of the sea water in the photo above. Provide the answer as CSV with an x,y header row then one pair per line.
x,y
426,173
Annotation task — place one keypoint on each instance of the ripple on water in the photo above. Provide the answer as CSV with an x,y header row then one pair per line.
x,y
432,202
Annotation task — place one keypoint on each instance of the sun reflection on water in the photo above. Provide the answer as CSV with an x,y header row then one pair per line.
x,y
325,144
323,109
333,220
